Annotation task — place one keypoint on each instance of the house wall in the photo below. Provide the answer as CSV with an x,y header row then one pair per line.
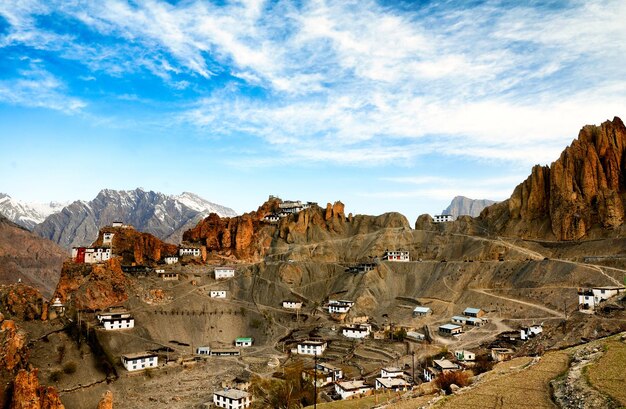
x,y
139,364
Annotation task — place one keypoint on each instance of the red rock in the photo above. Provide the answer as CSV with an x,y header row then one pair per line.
x,y
27,394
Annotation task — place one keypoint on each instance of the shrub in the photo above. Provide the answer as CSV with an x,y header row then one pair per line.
x,y
55,376
445,379
61,351
70,367
482,364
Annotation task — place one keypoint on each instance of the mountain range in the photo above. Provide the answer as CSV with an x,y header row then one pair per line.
x,y
77,223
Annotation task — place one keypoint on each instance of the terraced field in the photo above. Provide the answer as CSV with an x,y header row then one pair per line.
x,y
608,375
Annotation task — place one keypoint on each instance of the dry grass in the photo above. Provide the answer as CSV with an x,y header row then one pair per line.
x,y
608,375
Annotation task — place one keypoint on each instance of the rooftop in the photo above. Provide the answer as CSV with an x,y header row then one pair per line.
x,y
235,394
392,369
445,364
244,339
450,326
472,310
138,355
421,309
391,382
352,385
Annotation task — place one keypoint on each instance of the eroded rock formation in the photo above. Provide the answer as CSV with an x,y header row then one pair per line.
x,y
28,394
581,191
136,247
13,350
93,286
23,302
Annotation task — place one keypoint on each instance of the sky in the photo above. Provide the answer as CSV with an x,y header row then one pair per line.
x,y
384,105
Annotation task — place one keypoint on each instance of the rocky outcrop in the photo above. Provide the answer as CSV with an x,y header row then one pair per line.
x,y
107,401
27,257
23,302
248,237
13,350
162,215
136,247
580,194
93,286
464,206
28,394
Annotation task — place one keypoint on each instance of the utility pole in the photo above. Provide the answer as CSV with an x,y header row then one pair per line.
x,y
413,354
315,379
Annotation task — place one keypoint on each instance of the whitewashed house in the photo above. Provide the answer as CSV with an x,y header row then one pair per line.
x,y
457,319
292,305
243,342
140,360
420,311
291,206
589,298
217,293
223,272
203,351
442,218
232,399
167,275
113,315
465,356
107,238
397,255
97,254
392,384
189,251
415,336
118,323
272,218
339,306
473,312
117,224
171,260
391,372
349,389
356,331
334,371
531,331
311,347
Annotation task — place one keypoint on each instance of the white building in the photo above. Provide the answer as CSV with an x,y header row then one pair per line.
x,y
171,259
107,238
140,360
589,298
243,342
357,331
117,224
292,305
415,336
392,384
391,372
232,399
189,251
272,218
118,323
442,218
334,371
311,347
473,312
218,293
291,206
349,389
466,356
398,255
449,330
97,254
457,319
110,315
531,331
339,306
224,272
203,351
167,275
420,311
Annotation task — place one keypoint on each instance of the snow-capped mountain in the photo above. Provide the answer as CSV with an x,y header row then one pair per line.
x,y
27,214
165,216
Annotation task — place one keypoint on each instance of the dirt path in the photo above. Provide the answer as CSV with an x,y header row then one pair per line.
x,y
541,307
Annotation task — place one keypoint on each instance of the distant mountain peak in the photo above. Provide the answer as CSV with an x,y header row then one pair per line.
x,y
464,206
27,214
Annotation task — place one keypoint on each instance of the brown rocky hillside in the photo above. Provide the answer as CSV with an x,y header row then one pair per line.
x,y
26,256
580,195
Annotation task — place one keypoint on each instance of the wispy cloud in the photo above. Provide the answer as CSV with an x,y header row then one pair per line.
x,y
357,81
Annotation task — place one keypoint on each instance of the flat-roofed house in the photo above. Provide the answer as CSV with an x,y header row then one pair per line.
x,y
224,272
473,312
465,356
358,331
339,306
243,342
391,372
396,255
140,360
232,399
449,330
311,347
292,305
420,311
589,298
349,389
392,384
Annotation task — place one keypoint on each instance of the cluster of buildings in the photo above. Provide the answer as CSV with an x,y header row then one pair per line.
x,y
471,317
287,208
443,218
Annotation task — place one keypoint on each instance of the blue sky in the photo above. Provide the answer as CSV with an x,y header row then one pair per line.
x,y
388,105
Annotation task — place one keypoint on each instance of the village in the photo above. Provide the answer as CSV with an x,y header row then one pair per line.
x,y
344,355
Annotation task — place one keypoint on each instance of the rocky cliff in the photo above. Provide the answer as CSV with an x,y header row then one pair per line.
x,y
92,286
248,237
162,215
28,394
13,349
464,206
27,257
579,195
135,247
23,302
